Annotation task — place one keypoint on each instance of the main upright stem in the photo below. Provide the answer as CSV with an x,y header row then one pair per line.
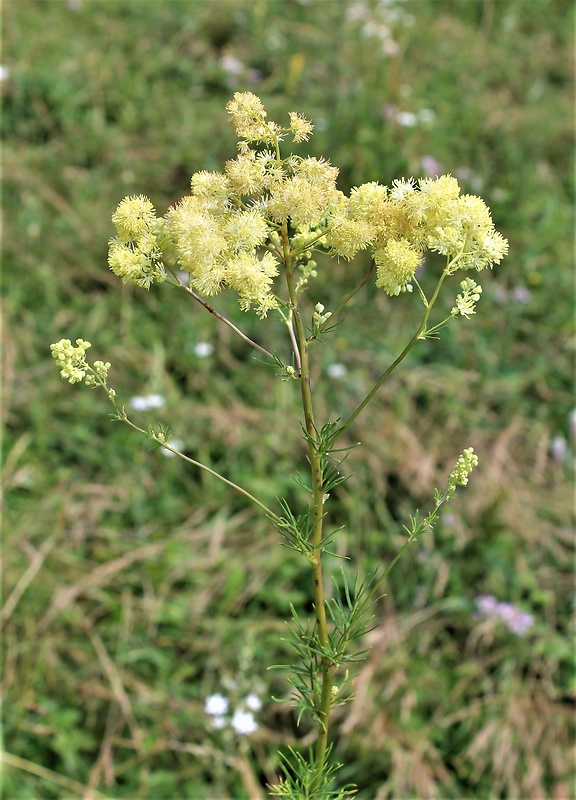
x,y
315,458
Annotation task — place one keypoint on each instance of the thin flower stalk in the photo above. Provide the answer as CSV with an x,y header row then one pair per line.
x,y
221,317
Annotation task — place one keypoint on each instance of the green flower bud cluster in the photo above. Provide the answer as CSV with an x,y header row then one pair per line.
x,y
320,316
70,359
228,231
466,302
459,475
74,368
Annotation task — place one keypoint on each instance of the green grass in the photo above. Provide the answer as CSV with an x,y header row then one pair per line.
x,y
135,587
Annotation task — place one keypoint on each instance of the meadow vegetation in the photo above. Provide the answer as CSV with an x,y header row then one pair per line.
x,y
134,588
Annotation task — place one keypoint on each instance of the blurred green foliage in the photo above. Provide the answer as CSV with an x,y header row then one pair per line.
x,y
133,587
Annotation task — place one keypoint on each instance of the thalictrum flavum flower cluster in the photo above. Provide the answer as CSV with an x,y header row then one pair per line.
x,y
227,232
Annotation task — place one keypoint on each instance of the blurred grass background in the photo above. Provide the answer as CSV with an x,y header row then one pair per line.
x,y
133,587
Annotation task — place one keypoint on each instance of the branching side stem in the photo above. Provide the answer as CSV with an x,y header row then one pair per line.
x,y
418,335
219,316
122,417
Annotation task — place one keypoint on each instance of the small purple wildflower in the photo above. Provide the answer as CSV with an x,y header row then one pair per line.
x,y
520,294
431,166
516,621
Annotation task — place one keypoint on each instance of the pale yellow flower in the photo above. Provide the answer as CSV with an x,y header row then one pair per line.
x,y
396,264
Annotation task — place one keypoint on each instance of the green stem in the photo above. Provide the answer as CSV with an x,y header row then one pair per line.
x,y
393,365
123,417
417,530
328,668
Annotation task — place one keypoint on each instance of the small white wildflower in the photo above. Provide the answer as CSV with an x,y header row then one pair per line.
x,y
559,449
216,705
203,349
336,370
4,72
231,64
487,604
516,621
500,294
146,402
243,722
356,12
406,119
498,194
253,702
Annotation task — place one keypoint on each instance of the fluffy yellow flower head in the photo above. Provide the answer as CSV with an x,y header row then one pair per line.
x,y
249,118
246,173
396,263
197,236
246,230
307,195
464,230
252,278
357,220
133,217
134,254
213,187
300,127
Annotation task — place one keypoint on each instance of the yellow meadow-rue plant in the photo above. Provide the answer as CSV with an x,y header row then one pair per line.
x,y
255,228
